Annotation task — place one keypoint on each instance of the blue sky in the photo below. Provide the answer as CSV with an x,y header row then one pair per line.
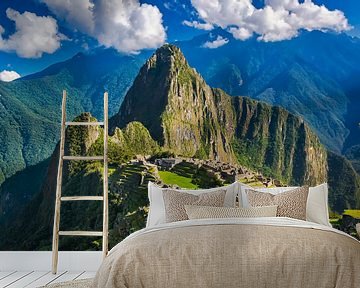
x,y
37,33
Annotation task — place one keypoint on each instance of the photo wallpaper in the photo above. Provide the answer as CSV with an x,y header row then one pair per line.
x,y
201,94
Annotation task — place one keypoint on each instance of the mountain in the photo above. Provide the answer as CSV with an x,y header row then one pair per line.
x,y
344,183
30,106
318,84
170,108
191,119
31,228
353,154
300,75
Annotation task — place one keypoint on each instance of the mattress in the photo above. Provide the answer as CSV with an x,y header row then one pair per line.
x,y
237,252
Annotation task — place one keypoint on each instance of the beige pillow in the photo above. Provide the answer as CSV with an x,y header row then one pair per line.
x,y
175,201
290,204
201,212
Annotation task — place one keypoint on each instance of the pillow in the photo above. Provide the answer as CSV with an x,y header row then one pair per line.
x,y
243,199
290,203
175,202
201,212
317,210
156,213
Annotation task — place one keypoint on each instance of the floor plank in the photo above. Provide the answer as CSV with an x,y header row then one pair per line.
x,y
41,260
87,275
68,276
32,279
12,278
5,274
45,279
28,279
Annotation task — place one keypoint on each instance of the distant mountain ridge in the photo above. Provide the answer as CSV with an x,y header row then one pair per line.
x,y
29,107
317,84
300,75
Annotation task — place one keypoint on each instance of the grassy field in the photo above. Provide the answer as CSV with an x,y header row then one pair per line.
x,y
171,178
254,183
352,213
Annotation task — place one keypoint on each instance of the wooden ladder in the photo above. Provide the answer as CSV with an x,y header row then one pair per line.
x,y
59,198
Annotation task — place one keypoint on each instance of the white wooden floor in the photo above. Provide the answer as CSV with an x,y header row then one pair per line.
x,y
32,268
32,279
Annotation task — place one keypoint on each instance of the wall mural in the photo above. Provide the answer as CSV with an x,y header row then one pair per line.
x,y
199,97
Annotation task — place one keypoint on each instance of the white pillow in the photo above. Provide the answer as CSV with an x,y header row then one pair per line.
x,y
156,213
317,210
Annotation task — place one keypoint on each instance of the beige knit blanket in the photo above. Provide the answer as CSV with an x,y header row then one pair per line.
x,y
234,254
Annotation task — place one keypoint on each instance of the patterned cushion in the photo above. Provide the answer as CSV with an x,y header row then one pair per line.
x,y
175,201
201,212
290,204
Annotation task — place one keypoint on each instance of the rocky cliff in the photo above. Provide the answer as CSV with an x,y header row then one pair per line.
x,y
189,118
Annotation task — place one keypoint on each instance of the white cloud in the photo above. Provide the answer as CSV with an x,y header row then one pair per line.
x,y
198,25
128,25
76,13
218,42
8,76
125,25
34,35
240,33
277,20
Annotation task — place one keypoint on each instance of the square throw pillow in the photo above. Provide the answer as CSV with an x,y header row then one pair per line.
x,y
317,210
156,213
203,212
290,204
175,202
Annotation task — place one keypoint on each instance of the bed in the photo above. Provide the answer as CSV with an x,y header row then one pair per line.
x,y
232,252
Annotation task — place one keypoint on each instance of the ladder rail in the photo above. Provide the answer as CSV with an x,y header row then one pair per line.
x,y
105,180
84,123
55,242
85,158
81,233
82,198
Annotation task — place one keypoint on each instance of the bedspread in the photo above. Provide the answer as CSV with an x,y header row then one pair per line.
x,y
258,252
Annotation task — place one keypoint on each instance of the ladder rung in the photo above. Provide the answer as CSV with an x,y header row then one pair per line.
x,y
80,233
84,123
83,157
82,198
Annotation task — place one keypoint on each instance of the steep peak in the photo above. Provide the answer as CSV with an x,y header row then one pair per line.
x,y
167,57
168,53
165,76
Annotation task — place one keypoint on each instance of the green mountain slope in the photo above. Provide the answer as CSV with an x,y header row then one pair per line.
x,y
191,119
31,228
300,75
345,183
29,107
